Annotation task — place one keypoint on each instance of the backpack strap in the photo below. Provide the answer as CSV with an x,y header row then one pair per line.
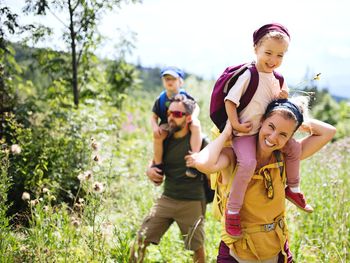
x,y
278,156
279,77
162,107
253,85
251,89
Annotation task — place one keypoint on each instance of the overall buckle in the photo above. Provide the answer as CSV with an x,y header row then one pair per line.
x,y
269,227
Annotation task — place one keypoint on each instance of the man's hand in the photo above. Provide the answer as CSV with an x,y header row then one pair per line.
x,y
154,175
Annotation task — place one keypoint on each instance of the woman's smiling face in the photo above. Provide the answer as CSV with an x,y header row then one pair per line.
x,y
275,131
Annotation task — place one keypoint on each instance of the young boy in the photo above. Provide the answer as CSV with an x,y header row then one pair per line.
x,y
173,79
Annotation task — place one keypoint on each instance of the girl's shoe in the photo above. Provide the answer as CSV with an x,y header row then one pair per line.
x,y
233,225
298,199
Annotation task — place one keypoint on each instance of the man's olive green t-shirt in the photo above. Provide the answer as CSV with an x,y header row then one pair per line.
x,y
177,185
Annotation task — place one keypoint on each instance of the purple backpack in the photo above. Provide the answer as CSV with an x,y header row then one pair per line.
x,y
225,82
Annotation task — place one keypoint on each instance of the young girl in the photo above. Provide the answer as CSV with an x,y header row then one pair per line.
x,y
270,44
172,78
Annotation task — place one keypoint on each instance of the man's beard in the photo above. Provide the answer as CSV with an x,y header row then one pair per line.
x,y
175,128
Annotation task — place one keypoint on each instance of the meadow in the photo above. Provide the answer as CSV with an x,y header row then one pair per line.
x,y
117,195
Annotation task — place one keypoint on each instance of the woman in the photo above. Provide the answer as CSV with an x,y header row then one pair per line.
x,y
263,212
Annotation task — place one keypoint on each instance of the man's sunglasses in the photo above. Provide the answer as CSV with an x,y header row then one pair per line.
x,y
176,114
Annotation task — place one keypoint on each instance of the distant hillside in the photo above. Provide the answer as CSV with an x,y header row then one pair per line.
x,y
340,98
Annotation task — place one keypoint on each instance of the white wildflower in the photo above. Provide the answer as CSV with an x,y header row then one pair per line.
x,y
98,187
85,176
25,196
94,146
16,149
34,202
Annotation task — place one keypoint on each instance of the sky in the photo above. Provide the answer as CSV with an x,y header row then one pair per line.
x,y
203,37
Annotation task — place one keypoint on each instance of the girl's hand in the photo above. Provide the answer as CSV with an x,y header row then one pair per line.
x,y
283,94
244,127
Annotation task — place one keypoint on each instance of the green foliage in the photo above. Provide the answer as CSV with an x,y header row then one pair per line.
x,y
122,78
81,34
150,77
325,110
324,235
8,242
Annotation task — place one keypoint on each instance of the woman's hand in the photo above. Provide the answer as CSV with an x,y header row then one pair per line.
x,y
320,134
191,159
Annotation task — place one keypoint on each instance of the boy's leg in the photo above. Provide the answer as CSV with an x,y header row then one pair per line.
x,y
245,150
196,135
158,147
195,142
292,151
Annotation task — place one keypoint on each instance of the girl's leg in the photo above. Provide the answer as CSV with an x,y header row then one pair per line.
x,y
292,151
245,150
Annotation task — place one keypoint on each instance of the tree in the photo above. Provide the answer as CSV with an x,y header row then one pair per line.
x,y
8,25
80,28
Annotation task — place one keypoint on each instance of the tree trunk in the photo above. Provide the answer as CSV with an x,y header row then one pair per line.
x,y
75,74
2,91
74,57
